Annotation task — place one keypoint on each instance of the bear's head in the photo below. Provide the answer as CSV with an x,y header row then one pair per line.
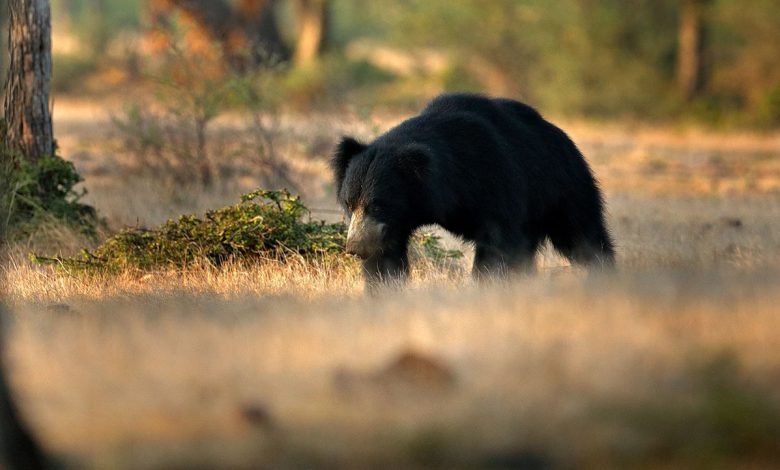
x,y
381,188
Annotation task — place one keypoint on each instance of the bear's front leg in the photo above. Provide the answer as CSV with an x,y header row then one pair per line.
x,y
384,271
490,263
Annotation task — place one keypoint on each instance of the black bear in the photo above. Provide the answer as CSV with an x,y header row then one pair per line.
x,y
490,170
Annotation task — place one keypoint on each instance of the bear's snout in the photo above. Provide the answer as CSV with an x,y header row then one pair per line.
x,y
364,237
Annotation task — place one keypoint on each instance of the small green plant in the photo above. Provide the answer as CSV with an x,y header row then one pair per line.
x,y
431,247
36,192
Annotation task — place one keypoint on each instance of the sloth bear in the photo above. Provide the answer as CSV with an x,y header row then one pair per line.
x,y
490,170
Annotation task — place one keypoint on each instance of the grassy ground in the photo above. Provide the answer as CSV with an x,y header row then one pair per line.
x,y
672,362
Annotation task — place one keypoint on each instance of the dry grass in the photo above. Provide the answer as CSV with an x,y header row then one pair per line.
x,y
557,370
701,233
671,362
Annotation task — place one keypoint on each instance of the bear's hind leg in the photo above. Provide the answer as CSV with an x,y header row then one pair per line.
x,y
385,271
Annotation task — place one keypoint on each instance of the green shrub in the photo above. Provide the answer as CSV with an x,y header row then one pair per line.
x,y
264,225
36,192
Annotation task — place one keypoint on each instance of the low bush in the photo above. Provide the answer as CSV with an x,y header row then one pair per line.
x,y
264,225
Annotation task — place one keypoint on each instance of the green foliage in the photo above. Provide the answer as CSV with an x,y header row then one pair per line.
x,y
565,56
459,79
94,22
583,58
265,224
770,108
743,62
605,59
326,83
430,245
36,192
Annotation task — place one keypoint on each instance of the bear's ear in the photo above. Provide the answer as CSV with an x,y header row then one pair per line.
x,y
347,148
414,159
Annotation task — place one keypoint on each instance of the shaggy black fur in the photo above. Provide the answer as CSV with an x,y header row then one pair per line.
x,y
492,171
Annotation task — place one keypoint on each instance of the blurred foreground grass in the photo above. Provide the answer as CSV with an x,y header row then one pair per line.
x,y
666,368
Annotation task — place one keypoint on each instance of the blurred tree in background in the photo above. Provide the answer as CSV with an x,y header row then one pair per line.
x,y
312,18
690,47
744,64
713,59
245,30
710,60
570,56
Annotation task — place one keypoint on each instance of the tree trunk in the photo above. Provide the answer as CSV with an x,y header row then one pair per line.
x,y
689,48
312,19
3,37
264,43
26,98
157,24
247,32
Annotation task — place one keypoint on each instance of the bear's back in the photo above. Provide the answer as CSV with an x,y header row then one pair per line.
x,y
495,110
531,148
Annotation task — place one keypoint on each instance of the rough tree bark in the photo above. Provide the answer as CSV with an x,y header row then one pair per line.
x,y
17,447
689,48
3,36
26,97
312,17
246,31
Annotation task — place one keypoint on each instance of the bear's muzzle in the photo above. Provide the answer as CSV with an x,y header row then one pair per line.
x,y
364,237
